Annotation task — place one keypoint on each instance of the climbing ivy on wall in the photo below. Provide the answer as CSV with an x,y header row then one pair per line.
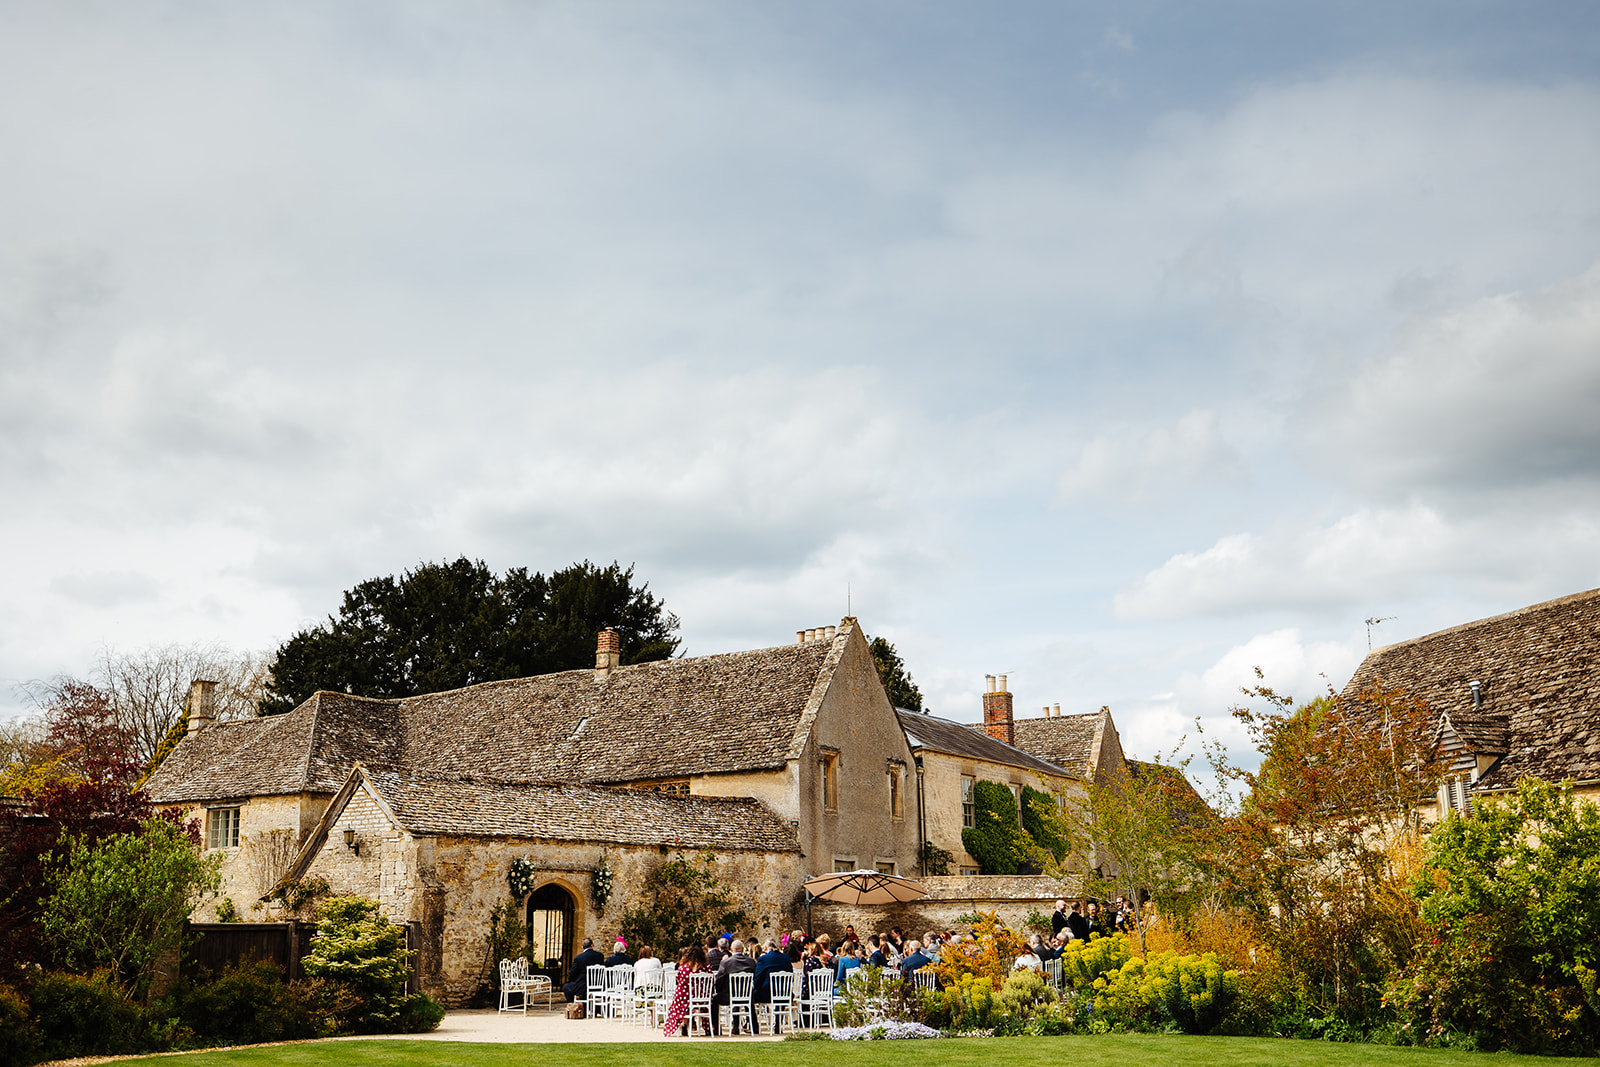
x,y
1037,809
996,840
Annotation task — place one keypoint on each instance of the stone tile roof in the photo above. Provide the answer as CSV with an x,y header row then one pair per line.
x,y
432,807
961,739
1539,669
1062,739
674,718
1187,803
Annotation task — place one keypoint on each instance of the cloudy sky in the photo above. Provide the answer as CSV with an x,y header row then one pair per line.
x,y
1120,348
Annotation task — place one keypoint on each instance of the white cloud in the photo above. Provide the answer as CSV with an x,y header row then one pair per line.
x,y
1133,465
1500,393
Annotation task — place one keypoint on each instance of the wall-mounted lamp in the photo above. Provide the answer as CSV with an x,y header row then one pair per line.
x,y
351,843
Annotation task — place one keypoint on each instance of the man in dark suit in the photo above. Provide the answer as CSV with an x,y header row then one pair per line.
x,y
875,951
578,980
774,959
736,962
1058,918
914,961
619,954
716,948
1078,924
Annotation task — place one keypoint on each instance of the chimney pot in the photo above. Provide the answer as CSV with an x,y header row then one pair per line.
x,y
832,632
1058,711
799,637
1003,688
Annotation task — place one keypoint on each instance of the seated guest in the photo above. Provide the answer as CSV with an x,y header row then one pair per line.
x,y
691,960
914,960
1027,960
647,965
716,948
825,946
1041,948
897,941
774,959
737,961
875,953
850,957
619,954
578,980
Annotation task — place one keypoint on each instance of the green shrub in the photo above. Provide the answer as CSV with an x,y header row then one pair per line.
x,y
1191,993
1026,993
1039,813
357,948
83,1015
19,1037
246,1004
420,1014
329,1006
1084,961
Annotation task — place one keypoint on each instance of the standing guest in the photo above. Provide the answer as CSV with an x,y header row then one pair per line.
x,y
1077,924
774,959
1097,921
619,954
735,962
691,960
578,980
1058,918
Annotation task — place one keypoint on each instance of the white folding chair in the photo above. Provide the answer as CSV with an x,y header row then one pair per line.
x,y
512,983
925,979
780,1007
647,988
1052,969
658,1007
701,986
594,980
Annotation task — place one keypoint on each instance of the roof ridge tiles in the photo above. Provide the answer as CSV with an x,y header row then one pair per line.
x,y
1544,605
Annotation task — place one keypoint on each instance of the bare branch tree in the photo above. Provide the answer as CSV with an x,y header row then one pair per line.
x,y
150,686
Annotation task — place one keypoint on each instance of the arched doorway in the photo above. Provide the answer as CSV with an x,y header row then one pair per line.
x,y
550,920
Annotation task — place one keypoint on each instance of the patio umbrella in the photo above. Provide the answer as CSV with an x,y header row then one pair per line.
x,y
860,887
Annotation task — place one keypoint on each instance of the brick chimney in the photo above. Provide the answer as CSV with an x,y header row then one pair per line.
x,y
202,705
607,655
997,720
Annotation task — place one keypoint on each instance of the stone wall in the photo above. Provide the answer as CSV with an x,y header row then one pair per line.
x,y
271,831
941,783
1012,896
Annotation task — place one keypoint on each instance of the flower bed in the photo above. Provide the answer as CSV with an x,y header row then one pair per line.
x,y
887,1031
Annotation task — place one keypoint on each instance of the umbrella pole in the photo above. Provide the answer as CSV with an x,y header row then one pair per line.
x,y
808,913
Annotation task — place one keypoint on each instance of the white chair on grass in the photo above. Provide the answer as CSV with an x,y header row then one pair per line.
x,y
701,986
925,980
780,1007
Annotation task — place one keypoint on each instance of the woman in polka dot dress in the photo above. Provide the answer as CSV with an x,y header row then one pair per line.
x,y
690,960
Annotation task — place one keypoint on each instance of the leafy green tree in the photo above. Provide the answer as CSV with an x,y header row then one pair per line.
x,y
447,625
121,902
996,839
1510,898
903,692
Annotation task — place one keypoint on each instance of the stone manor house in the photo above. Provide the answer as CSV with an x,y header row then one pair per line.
x,y
781,763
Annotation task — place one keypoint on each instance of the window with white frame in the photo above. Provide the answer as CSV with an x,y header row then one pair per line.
x,y
967,784
222,828
843,864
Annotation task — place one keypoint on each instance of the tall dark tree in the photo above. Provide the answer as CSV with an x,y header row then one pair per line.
x,y
446,625
903,692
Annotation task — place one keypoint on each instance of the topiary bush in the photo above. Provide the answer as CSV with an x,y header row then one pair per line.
x,y
246,1004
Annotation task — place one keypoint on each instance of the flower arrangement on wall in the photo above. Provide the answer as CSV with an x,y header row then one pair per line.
x,y
522,876
600,887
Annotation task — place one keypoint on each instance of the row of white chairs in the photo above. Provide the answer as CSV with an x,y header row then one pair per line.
x,y
619,993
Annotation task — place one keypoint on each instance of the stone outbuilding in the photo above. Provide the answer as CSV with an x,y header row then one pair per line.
x,y
783,762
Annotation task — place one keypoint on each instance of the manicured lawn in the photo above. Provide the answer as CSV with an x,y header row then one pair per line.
x,y
1133,1050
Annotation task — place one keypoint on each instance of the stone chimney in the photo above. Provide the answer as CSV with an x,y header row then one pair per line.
x,y
997,720
608,654
202,705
